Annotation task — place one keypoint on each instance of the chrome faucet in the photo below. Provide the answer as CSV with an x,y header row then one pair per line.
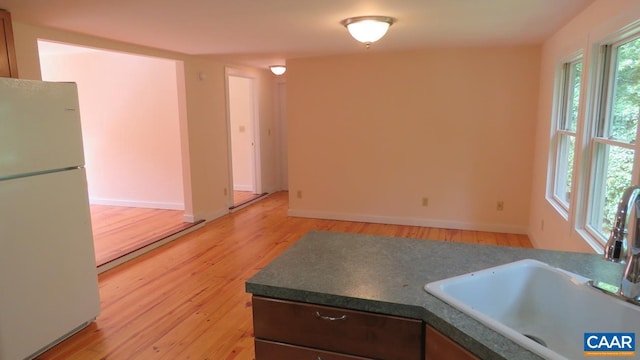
x,y
624,243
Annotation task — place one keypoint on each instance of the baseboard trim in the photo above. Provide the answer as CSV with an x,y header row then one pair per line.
x,y
444,224
215,214
139,204
192,218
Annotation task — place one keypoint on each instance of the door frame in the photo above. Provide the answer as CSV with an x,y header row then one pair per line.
x,y
255,132
282,158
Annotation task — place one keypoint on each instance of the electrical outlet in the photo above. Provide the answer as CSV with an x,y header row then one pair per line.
x,y
299,194
542,225
226,192
500,205
425,201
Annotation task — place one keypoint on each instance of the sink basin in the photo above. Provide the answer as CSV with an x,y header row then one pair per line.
x,y
542,308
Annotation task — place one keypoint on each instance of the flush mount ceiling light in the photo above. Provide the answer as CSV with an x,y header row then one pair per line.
x,y
368,29
278,69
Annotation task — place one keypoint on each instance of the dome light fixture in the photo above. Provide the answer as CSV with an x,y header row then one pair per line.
x,y
368,29
278,69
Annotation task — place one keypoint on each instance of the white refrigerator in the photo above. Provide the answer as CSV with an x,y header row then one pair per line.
x,y
48,276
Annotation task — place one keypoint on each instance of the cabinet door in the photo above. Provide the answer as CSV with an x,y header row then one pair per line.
x,y
440,347
8,65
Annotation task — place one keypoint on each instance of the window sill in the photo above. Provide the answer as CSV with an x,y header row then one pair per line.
x,y
594,243
558,207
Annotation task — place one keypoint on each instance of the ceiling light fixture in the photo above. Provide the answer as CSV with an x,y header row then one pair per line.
x,y
368,29
278,69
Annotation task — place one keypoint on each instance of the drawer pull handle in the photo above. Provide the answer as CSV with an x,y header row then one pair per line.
x,y
329,318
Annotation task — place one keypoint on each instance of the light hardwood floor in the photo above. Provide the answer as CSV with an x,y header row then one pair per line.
x,y
119,230
242,197
186,300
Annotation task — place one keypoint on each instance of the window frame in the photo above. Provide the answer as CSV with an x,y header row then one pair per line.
x,y
601,98
590,111
564,92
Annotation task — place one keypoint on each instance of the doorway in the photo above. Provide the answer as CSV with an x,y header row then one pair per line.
x,y
132,145
243,139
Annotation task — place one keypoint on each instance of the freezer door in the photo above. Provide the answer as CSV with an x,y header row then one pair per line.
x,y
39,127
48,277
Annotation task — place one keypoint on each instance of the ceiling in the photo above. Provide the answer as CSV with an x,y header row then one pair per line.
x,y
263,32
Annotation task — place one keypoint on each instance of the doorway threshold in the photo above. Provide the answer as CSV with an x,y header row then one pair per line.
x,y
150,245
247,201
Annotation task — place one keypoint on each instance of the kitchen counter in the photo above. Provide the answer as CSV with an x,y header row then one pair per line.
x,y
386,275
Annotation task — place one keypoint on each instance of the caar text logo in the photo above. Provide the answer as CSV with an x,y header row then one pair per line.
x,y
609,344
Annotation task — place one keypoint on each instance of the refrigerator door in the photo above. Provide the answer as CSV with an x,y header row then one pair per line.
x,y
39,127
48,276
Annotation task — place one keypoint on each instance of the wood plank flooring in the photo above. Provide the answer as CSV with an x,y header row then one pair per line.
x,y
186,300
119,230
242,197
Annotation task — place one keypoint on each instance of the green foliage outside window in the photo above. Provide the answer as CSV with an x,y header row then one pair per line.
x,y
573,121
622,127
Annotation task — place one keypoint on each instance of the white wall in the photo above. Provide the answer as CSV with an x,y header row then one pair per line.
x,y
371,134
592,25
129,112
202,112
282,160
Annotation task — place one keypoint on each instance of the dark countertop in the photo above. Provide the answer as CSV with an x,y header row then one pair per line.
x,y
386,275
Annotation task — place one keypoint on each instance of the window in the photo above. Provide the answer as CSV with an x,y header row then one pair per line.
x,y
613,144
564,136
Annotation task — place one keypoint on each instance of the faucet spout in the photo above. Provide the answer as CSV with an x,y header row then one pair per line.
x,y
624,243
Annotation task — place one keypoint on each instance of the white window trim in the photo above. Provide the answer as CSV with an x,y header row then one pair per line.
x,y
593,103
560,110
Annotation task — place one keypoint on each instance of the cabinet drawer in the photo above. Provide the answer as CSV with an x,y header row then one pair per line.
x,y
269,350
339,330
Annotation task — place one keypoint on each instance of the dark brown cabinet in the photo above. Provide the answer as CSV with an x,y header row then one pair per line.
x,y
269,350
440,347
288,330
8,65
291,330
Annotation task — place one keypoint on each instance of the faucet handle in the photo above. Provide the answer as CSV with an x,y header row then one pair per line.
x,y
615,249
